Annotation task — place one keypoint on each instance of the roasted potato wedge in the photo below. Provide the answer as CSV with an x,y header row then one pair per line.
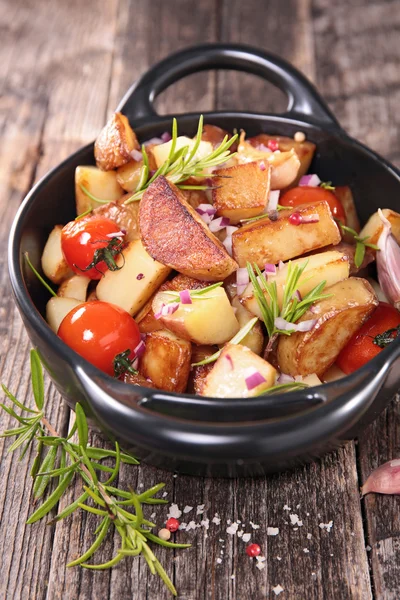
x,y
215,135
345,196
161,152
128,176
125,216
74,287
326,266
352,301
227,379
57,308
101,184
349,252
166,361
374,226
145,317
208,320
304,150
174,234
267,241
198,375
135,282
241,192
54,265
255,338
114,144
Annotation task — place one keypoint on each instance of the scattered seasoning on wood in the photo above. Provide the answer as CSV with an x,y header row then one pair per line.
x,y
272,530
187,509
277,590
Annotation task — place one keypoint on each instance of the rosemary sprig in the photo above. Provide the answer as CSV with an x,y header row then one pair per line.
x,y
32,268
265,215
327,185
66,461
183,163
361,244
94,198
292,307
239,337
194,294
284,387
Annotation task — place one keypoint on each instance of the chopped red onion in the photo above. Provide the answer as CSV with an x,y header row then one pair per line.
x,y
388,263
115,234
185,297
384,480
314,218
254,379
206,218
231,229
262,166
228,244
219,224
270,269
136,155
229,359
263,148
273,200
298,378
206,209
140,348
167,309
297,295
166,137
242,280
281,265
284,378
310,180
286,326
155,141
140,276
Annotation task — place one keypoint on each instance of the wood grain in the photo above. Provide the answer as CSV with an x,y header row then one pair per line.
x,y
63,69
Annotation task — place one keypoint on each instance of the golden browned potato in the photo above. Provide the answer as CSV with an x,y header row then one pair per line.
x,y
241,192
57,308
138,379
345,196
349,252
174,234
124,215
198,375
267,241
128,176
139,277
210,319
352,301
255,338
145,317
54,265
115,143
74,287
166,361
330,266
374,226
195,197
215,135
227,379
100,184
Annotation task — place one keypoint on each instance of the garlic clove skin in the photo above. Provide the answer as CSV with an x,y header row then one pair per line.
x,y
384,480
388,263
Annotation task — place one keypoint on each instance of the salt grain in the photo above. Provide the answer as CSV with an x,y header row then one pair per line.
x,y
200,509
260,562
309,536
219,561
153,515
254,526
278,558
306,551
368,548
232,529
240,533
294,519
164,494
205,523
286,507
216,520
246,537
174,511
272,530
191,525
327,526
232,576
187,509
277,590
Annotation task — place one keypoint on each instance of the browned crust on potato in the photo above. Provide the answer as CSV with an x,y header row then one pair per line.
x,y
316,350
215,135
115,143
138,379
174,234
125,216
166,361
244,186
345,196
198,374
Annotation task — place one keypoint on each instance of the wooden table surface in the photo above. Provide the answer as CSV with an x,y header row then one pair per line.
x,y
63,68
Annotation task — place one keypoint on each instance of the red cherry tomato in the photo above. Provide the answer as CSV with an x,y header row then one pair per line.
x,y
308,195
99,331
360,349
80,240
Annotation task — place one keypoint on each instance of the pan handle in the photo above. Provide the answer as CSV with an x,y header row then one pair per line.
x,y
303,99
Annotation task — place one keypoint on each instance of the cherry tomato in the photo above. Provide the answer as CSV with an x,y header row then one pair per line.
x,y
80,240
98,331
306,194
360,349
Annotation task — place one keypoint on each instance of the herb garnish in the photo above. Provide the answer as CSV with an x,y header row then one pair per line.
x,y
361,244
241,334
194,294
106,254
284,387
386,337
123,364
327,185
40,278
182,164
292,307
65,461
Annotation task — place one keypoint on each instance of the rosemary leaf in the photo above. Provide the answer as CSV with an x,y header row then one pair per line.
x,y
13,399
92,509
51,501
68,510
359,254
157,540
96,544
117,465
42,281
40,485
160,570
94,198
23,437
107,565
284,387
37,379
151,492
81,422
60,471
36,462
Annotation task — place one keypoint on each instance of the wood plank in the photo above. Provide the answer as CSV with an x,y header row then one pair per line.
x,y
359,73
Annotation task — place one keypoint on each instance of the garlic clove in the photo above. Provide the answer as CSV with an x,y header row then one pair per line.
x,y
384,480
388,263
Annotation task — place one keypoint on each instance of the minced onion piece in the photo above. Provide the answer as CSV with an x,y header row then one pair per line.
x,y
155,141
184,295
206,209
242,280
281,265
231,229
140,348
270,269
167,309
284,378
262,166
116,234
228,244
137,155
229,359
384,480
273,200
314,218
388,263
297,295
263,148
166,137
254,379
310,180
284,325
219,224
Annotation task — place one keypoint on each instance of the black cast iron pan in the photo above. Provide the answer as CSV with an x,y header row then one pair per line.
x,y
206,436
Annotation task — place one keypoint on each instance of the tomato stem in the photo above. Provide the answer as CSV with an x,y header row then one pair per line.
x,y
123,364
107,254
